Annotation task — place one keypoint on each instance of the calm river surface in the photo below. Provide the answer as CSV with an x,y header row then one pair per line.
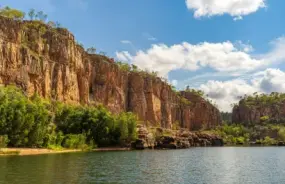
x,y
198,165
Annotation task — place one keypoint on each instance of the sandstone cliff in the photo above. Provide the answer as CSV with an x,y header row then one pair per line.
x,y
252,110
48,61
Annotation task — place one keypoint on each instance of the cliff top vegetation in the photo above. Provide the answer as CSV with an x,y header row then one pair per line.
x,y
262,99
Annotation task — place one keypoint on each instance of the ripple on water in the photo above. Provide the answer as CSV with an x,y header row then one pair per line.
x,y
198,165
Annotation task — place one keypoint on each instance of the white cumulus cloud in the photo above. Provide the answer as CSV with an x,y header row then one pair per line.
x,y
227,92
123,56
219,56
235,8
227,57
277,53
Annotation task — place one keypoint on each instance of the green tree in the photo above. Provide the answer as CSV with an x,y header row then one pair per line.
x,y
42,120
188,88
134,68
32,14
127,123
51,24
281,134
75,141
3,141
16,119
25,121
268,141
123,66
12,13
264,118
91,50
35,122
41,16
57,24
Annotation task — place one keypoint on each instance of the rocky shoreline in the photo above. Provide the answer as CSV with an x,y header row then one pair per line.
x,y
158,138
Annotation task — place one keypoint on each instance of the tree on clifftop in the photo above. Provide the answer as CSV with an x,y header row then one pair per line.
x,y
197,92
12,13
41,16
32,14
91,50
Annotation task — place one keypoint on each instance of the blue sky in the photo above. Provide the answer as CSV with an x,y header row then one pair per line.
x,y
227,49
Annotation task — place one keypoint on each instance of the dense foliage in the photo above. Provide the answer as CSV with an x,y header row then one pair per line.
x,y
97,124
262,99
35,122
264,134
3,141
133,68
12,13
20,15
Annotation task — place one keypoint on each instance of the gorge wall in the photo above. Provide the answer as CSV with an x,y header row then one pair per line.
x,y
255,112
48,61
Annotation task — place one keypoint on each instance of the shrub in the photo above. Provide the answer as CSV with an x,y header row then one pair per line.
x,y
240,140
281,134
264,118
268,141
233,134
185,101
124,66
12,13
3,141
25,121
99,125
127,123
75,141
176,125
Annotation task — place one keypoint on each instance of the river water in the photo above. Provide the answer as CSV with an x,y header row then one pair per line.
x,y
224,165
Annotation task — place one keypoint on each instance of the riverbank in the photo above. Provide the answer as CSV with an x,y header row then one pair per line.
x,y
38,151
33,151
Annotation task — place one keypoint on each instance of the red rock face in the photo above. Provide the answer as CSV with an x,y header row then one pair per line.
x,y
251,114
204,114
108,85
49,62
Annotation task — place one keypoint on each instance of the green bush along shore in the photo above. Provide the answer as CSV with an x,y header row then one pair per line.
x,y
39,123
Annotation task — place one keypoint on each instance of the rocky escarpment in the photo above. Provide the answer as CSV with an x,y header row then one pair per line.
x,y
159,138
254,110
204,114
48,61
